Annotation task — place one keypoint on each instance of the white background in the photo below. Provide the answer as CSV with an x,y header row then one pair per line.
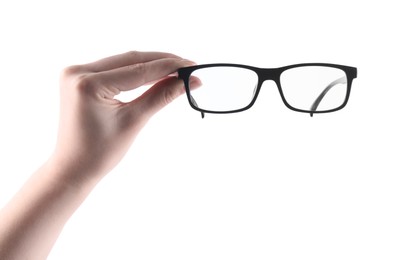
x,y
268,183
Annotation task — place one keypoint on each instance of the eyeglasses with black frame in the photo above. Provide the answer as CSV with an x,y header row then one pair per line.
x,y
307,87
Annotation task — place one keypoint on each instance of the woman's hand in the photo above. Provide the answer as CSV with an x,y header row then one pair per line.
x,y
95,129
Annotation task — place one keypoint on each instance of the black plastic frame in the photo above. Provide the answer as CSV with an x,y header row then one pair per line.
x,y
263,75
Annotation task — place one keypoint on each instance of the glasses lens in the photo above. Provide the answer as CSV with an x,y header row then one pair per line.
x,y
224,89
314,88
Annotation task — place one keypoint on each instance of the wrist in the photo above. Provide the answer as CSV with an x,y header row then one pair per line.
x,y
71,174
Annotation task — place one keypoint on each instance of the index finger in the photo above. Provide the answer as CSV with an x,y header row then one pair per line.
x,y
126,59
131,77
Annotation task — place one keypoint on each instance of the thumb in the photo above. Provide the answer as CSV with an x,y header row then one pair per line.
x,y
163,93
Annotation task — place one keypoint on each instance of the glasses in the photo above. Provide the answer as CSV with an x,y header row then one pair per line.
x,y
229,88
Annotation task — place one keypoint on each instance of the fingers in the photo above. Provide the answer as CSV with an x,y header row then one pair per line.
x,y
162,94
126,59
130,77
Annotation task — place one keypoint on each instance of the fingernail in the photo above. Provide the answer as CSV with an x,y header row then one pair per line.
x,y
189,62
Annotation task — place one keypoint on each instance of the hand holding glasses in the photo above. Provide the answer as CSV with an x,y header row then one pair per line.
x,y
229,88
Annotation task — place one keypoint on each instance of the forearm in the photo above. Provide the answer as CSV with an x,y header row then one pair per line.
x,y
34,218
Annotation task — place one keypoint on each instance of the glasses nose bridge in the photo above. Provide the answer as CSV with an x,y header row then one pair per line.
x,y
268,74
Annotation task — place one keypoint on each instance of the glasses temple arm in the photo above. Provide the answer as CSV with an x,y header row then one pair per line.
x,y
316,103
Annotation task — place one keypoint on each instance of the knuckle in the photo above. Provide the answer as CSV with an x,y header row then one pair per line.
x,y
169,96
138,68
134,54
171,93
77,79
85,82
71,71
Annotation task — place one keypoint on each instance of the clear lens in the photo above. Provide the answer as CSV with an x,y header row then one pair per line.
x,y
224,88
314,88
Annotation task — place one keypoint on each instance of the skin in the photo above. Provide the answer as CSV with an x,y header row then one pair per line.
x,y
95,132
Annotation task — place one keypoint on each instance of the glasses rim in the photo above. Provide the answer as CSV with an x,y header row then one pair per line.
x,y
264,74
